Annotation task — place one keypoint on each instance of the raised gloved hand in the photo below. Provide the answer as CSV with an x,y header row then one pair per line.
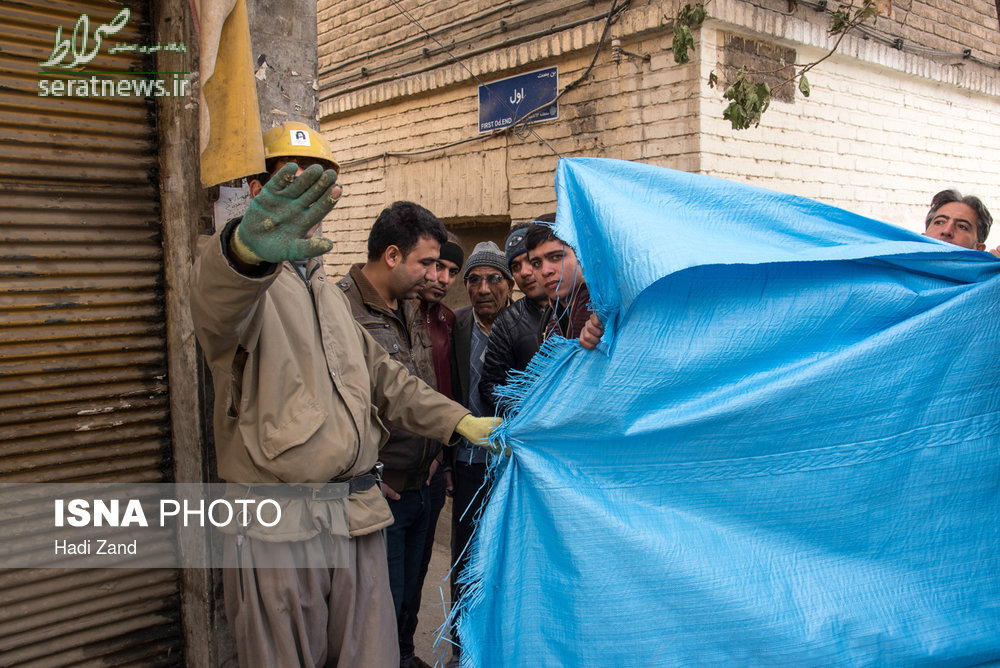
x,y
477,431
276,223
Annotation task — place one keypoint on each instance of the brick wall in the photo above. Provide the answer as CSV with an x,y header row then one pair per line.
x,y
949,26
883,130
867,139
946,25
630,111
377,36
374,34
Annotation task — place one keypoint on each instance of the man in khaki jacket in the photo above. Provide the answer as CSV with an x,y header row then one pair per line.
x,y
302,396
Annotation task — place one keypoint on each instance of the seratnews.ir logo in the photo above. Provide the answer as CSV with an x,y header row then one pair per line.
x,y
81,48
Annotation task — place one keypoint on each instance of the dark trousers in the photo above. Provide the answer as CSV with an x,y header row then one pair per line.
x,y
405,543
469,497
411,606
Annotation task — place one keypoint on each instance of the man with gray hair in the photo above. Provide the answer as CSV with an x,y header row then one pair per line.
x,y
489,284
963,221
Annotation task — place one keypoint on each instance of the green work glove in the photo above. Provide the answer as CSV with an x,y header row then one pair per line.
x,y
276,223
478,429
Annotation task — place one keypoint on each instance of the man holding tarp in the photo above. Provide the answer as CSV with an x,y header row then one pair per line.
x,y
963,221
561,276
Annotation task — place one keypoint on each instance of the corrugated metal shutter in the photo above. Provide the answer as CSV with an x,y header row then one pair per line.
x,y
83,388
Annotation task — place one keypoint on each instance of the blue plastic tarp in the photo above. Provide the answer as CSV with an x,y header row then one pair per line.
x,y
784,452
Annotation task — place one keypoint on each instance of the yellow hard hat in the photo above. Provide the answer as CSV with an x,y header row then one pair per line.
x,y
298,140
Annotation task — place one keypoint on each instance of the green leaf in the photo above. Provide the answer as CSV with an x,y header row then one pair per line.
x,y
734,114
804,85
713,80
692,17
838,21
683,40
867,10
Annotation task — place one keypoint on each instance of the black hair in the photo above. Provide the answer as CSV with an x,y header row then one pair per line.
x,y
402,225
538,234
544,218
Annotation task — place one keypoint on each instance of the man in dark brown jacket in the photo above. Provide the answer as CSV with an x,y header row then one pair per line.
x,y
403,250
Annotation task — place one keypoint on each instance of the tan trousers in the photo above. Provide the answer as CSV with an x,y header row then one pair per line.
x,y
289,617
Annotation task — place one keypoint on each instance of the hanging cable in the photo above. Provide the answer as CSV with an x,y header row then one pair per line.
x,y
467,69
612,14
474,42
521,124
617,7
895,40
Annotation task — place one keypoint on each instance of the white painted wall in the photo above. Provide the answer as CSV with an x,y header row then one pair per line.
x,y
871,138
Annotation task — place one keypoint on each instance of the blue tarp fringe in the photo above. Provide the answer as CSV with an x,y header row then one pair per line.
x,y
785,451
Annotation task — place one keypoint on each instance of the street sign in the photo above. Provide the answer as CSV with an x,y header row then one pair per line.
x,y
504,101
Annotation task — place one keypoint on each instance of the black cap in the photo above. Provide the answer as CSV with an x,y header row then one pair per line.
x,y
515,244
453,253
515,240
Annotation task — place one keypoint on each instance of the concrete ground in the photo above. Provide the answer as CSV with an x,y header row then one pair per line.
x,y
436,597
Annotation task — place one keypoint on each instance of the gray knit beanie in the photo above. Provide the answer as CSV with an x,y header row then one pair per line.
x,y
487,254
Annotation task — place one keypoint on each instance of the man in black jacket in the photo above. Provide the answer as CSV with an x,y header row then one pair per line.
x,y
514,336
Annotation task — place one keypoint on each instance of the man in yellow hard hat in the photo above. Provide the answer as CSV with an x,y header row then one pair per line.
x,y
298,141
301,394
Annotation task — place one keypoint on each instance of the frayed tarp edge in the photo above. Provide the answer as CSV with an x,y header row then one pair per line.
x,y
513,397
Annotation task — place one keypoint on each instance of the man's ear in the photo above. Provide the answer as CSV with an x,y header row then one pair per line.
x,y
980,246
255,187
392,256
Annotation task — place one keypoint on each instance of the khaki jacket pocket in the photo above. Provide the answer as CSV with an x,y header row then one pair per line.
x,y
296,423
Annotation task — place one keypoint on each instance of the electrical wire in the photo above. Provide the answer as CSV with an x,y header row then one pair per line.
x,y
365,73
513,41
520,123
469,70
896,41
407,42
612,14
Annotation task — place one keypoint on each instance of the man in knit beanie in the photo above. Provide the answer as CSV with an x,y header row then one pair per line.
x,y
489,284
440,319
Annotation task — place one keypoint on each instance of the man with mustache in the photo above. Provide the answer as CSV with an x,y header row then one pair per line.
x,y
301,393
489,282
404,248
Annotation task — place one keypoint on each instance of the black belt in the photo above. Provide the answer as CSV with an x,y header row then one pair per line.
x,y
335,489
